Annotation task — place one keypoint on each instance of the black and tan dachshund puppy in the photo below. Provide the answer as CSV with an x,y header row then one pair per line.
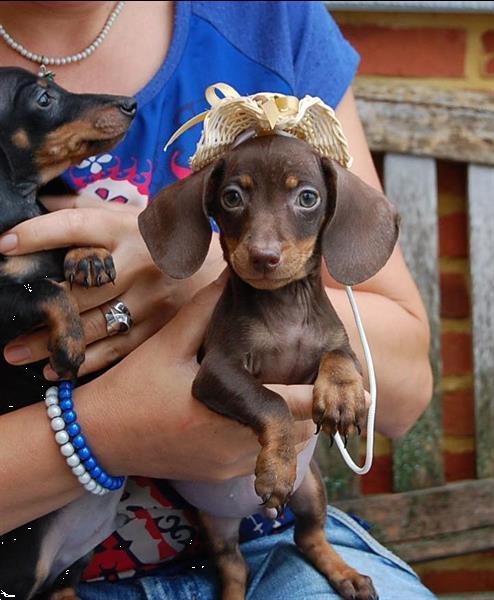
x,y
43,130
280,208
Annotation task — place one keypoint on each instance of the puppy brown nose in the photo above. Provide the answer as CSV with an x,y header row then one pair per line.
x,y
264,259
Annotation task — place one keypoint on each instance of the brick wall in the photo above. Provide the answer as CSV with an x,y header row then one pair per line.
x,y
450,51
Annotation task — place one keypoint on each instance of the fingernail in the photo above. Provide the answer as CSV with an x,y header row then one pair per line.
x,y
49,373
17,354
8,242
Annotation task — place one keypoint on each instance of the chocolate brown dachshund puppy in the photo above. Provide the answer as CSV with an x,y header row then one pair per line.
x,y
280,209
43,130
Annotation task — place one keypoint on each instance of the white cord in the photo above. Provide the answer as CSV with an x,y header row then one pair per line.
x,y
371,416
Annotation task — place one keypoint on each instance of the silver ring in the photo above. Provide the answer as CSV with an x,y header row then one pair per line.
x,y
118,319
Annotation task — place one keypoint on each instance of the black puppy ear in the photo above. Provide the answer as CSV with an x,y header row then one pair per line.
x,y
360,235
175,225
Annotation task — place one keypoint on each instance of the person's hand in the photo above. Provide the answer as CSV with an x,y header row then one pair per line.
x,y
151,297
142,419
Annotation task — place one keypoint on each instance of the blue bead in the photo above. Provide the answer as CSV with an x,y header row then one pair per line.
x,y
64,385
66,405
84,453
95,472
90,464
70,416
65,394
79,441
73,429
102,478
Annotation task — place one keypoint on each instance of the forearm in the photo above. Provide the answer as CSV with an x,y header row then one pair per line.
x,y
399,341
31,468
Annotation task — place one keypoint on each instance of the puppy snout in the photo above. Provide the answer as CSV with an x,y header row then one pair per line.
x,y
128,106
265,259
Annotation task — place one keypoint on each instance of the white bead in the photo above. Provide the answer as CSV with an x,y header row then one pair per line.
x,y
67,449
79,56
85,53
68,59
57,61
52,390
85,478
91,485
62,437
73,461
24,52
53,411
45,60
51,401
57,424
63,61
79,470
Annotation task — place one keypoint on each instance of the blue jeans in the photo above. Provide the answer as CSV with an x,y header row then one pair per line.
x,y
277,571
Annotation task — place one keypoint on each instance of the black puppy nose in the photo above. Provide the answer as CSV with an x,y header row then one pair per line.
x,y
264,259
128,106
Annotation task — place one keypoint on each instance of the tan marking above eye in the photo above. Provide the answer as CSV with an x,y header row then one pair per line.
x,y
21,139
246,181
291,182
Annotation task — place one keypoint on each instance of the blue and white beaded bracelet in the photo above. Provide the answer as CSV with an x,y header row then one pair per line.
x,y
73,446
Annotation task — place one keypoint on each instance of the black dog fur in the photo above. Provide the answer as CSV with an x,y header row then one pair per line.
x,y
43,130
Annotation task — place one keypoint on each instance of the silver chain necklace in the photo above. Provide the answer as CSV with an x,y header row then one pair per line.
x,y
62,60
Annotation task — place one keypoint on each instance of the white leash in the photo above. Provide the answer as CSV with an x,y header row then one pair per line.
x,y
371,416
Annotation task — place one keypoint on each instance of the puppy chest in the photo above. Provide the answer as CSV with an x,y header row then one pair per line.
x,y
286,353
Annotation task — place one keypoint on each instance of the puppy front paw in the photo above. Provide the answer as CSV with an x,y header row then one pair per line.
x,y
276,470
339,398
89,267
67,354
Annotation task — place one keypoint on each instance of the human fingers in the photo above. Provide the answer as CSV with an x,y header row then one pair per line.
x,y
298,398
33,347
62,228
53,203
106,352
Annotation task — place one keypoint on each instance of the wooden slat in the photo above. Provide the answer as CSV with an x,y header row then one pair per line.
x,y
481,211
432,523
446,546
472,596
410,182
427,121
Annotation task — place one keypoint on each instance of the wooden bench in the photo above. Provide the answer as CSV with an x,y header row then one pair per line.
x,y
426,518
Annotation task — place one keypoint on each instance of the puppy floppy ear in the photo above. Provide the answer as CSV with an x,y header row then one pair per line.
x,y
175,225
361,233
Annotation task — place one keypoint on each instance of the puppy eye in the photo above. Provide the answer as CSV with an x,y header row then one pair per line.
x,y
308,199
43,100
231,198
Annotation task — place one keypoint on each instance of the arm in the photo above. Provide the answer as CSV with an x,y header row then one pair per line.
x,y
140,419
392,312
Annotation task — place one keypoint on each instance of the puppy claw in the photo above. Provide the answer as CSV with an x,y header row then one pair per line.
x,y
359,430
265,499
345,438
318,428
89,267
331,437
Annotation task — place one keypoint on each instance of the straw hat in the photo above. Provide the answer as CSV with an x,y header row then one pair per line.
x,y
308,119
